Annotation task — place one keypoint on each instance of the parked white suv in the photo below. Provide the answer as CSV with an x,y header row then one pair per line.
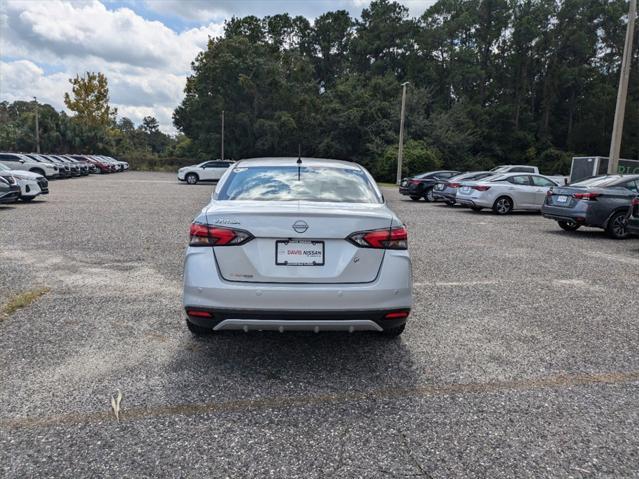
x,y
206,171
17,161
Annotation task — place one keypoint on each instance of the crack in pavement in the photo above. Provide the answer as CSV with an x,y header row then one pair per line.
x,y
557,381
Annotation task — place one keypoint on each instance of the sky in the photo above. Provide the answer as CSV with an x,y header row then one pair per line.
x,y
144,47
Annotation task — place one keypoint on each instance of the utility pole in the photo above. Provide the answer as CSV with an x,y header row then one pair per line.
x,y
400,152
622,93
222,136
37,126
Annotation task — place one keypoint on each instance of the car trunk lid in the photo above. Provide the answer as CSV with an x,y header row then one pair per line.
x,y
290,235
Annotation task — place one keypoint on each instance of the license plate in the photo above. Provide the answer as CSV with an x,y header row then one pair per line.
x,y
562,199
465,189
439,187
299,253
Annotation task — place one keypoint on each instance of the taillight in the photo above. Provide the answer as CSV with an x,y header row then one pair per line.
x,y
387,238
549,192
397,314
205,235
481,187
586,196
635,201
413,182
454,185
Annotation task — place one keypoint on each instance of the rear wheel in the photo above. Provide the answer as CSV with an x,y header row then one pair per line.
x,y
415,198
198,330
450,203
503,205
617,226
191,178
429,196
393,332
568,225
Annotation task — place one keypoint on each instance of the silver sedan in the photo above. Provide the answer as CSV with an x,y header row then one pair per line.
x,y
297,244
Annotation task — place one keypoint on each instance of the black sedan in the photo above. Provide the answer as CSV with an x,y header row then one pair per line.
x,y
421,186
600,202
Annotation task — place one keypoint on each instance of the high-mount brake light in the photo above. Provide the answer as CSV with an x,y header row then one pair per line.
x,y
587,196
206,235
386,238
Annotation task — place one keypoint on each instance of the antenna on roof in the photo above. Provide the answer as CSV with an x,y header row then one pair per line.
x,y
299,161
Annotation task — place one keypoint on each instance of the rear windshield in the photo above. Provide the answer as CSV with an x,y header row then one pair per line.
x,y
285,183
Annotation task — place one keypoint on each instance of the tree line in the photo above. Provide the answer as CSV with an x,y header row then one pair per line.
x,y
490,81
93,128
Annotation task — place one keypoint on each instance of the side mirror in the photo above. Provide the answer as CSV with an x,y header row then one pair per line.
x,y
21,160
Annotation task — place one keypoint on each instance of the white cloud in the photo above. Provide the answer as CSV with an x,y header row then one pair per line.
x,y
44,43
219,9
145,62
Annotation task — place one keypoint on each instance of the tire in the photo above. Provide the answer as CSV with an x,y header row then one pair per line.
x,y
393,332
568,225
450,203
38,171
415,198
429,196
476,208
503,205
27,199
616,227
198,330
191,178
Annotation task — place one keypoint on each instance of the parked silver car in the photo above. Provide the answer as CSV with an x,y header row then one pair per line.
x,y
505,193
446,189
288,244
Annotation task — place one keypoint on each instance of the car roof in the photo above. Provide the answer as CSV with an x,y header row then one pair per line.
x,y
292,161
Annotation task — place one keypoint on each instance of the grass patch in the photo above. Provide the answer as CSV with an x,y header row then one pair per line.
x,y
387,185
21,300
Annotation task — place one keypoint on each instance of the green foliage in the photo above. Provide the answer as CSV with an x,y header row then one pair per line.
x,y
491,81
90,100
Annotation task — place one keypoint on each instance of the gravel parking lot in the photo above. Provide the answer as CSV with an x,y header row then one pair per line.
x,y
521,357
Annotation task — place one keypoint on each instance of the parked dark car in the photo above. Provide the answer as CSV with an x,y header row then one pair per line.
x,y
9,190
421,186
446,190
633,217
600,202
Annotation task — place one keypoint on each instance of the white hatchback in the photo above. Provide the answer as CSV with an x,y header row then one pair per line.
x,y
206,171
288,244
504,193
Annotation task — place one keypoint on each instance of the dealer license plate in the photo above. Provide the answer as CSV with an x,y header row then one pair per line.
x,y
299,253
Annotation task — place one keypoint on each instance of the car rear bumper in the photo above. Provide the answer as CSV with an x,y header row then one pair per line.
x,y
633,226
409,191
473,202
577,215
256,320
442,195
205,289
